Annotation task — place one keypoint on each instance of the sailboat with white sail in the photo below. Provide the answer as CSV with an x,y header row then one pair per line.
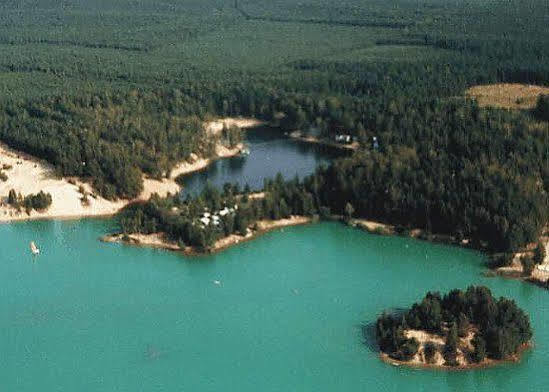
x,y
34,249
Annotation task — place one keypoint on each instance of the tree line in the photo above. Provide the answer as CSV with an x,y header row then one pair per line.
x,y
39,201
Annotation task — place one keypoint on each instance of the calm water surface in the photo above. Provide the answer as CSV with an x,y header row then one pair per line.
x,y
270,153
88,316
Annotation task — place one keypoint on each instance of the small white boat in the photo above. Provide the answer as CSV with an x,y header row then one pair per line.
x,y
217,282
34,249
244,152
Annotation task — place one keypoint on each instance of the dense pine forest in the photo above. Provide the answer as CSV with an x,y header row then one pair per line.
x,y
111,90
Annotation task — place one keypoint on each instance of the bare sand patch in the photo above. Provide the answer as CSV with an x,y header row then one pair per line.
x,y
507,95
196,163
540,273
216,126
373,227
30,175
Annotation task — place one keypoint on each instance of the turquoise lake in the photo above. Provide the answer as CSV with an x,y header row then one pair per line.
x,y
287,316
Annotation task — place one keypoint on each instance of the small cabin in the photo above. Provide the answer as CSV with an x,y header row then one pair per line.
x,y
343,138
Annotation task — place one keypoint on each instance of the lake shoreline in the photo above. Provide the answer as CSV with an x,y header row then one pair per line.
x,y
265,226
539,276
297,135
67,193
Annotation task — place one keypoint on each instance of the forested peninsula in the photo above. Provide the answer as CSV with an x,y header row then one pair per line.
x,y
462,329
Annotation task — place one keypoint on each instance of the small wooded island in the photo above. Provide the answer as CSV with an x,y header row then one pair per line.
x,y
462,329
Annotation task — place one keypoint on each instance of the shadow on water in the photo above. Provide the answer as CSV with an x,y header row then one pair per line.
x,y
154,353
369,329
369,336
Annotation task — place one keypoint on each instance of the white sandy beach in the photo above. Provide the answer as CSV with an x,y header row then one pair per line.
x,y
29,175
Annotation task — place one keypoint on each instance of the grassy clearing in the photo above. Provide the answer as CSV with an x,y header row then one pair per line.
x,y
507,95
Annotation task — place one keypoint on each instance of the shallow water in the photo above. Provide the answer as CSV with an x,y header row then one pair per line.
x,y
270,153
287,316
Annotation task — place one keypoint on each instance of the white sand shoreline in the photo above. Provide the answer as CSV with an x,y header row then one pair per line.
x,y
30,175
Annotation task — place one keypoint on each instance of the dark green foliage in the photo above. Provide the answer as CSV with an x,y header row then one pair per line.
x,y
109,138
426,315
462,325
40,201
454,150
451,345
501,327
391,339
542,107
502,260
68,90
528,265
430,351
479,353
539,253
12,197
408,349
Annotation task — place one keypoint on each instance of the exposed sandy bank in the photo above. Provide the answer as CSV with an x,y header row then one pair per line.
x,y
30,175
216,126
195,163
540,273
373,227
464,351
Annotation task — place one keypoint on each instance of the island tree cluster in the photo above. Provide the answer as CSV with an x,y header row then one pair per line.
x,y
499,327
